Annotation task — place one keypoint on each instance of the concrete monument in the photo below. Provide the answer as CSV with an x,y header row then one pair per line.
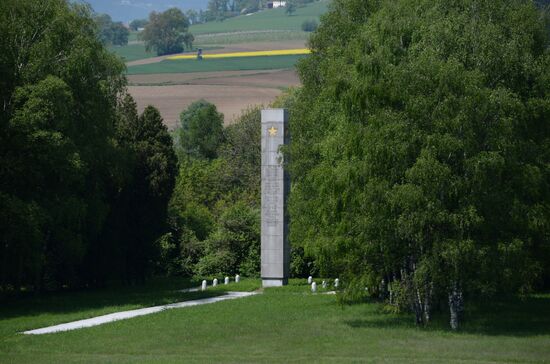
x,y
275,189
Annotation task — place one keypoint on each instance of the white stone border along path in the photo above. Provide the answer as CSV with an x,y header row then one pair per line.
x,y
134,313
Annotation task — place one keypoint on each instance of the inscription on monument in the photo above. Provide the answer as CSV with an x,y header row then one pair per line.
x,y
275,187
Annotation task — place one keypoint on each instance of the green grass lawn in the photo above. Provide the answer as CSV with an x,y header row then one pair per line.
x,y
274,19
282,325
23,314
221,64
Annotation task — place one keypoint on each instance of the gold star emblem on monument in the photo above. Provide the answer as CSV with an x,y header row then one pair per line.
x,y
272,131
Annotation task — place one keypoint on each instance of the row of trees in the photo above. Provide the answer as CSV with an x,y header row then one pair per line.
x,y
421,149
84,179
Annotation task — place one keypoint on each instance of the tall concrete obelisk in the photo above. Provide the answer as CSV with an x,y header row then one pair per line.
x,y
275,189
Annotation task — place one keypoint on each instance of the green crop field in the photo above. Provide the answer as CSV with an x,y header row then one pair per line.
x,y
249,37
268,19
282,325
221,64
133,37
133,52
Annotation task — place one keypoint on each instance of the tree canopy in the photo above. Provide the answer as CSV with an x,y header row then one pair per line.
x,y
110,32
167,32
214,210
421,141
137,24
201,131
74,155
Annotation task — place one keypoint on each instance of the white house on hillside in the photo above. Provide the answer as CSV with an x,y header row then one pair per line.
x,y
275,4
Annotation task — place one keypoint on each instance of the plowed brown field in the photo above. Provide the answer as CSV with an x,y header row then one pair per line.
x,y
230,91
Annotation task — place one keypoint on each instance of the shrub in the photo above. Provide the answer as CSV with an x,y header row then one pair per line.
x,y
309,25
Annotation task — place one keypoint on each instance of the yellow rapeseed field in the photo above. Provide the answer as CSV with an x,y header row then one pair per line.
x,y
281,52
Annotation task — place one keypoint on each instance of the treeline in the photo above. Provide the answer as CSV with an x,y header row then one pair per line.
x,y
84,179
421,149
91,192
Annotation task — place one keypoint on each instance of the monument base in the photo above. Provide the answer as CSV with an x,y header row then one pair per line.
x,y
274,282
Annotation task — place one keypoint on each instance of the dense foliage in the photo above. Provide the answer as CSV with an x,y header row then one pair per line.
x,y
421,149
74,157
201,130
215,208
137,24
167,32
310,25
111,33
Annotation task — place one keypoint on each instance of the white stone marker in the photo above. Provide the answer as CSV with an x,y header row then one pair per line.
x,y
215,282
313,287
237,278
203,287
309,279
324,284
226,281
336,283
275,246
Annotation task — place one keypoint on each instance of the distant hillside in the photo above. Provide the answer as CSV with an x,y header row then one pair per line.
x,y
268,19
128,10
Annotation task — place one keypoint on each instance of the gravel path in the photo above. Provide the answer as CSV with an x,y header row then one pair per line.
x,y
134,313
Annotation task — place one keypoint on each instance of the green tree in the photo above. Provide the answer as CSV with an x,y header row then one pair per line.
x,y
234,247
201,131
215,207
420,149
217,10
58,90
192,15
141,206
309,25
290,8
137,24
167,32
110,32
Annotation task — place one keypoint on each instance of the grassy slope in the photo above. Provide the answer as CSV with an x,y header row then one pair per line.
x,y
214,33
290,324
210,65
272,19
36,312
